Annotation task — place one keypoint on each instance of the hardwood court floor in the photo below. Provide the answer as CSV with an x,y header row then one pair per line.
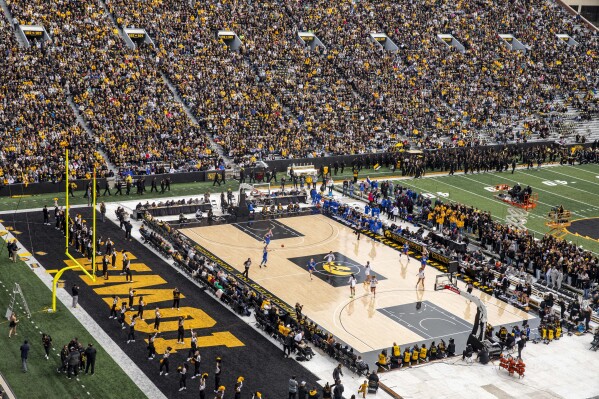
x,y
398,313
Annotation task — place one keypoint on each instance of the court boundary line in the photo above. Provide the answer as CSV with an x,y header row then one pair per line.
x,y
276,223
194,230
248,232
450,316
394,316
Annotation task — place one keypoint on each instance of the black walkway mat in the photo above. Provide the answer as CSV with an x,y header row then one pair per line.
x,y
249,354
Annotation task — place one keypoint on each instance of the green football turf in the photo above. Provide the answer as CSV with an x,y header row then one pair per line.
x,y
576,188
42,380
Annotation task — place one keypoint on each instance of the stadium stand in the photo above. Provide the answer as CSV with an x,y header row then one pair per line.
x,y
120,92
276,97
35,119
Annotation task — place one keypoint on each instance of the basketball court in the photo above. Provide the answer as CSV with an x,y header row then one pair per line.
x,y
399,313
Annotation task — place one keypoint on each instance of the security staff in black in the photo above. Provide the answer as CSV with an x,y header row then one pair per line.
x,y
90,354
216,179
154,185
106,188
242,175
119,187
274,174
46,215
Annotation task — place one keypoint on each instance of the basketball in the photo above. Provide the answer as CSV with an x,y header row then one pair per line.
x,y
282,245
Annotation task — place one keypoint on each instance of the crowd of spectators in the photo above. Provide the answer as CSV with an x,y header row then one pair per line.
x,y
35,120
276,96
502,251
120,92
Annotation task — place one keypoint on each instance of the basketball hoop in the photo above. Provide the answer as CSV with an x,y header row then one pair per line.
x,y
446,281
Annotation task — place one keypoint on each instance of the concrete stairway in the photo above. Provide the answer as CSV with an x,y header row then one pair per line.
x,y
215,147
90,133
8,15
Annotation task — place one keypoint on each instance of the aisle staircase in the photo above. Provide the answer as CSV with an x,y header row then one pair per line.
x,y
213,145
7,14
82,122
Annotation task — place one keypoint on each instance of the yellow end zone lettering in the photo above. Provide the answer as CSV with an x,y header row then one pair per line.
x,y
195,318
224,338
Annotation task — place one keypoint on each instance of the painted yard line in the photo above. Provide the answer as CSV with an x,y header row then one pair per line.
x,y
478,195
40,210
459,188
539,202
568,185
575,177
579,167
554,194
435,175
388,177
578,178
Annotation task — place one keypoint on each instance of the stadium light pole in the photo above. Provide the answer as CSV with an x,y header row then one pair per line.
x,y
77,264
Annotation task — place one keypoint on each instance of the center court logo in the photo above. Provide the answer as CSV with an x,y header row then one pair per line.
x,y
339,269
337,272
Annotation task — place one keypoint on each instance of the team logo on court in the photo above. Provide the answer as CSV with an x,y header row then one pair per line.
x,y
337,271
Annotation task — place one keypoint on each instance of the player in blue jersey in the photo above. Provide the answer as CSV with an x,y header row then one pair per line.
x,y
268,237
311,267
405,251
264,256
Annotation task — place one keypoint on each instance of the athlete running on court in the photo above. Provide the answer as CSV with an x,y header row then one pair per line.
x,y
311,267
420,277
264,256
268,237
404,251
373,283
367,272
330,257
352,286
